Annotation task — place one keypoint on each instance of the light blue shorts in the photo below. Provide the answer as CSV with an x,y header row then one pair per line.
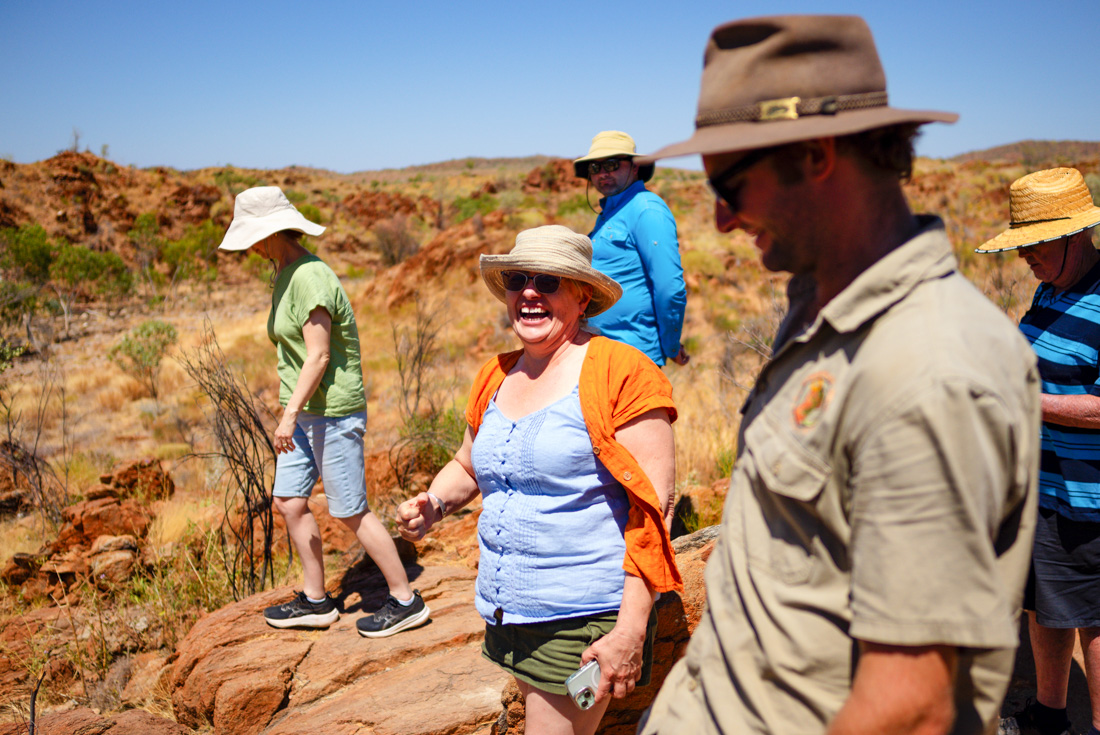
x,y
335,445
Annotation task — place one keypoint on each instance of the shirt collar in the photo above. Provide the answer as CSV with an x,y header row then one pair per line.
x,y
924,257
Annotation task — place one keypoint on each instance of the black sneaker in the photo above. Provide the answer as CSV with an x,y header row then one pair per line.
x,y
1023,723
393,617
301,613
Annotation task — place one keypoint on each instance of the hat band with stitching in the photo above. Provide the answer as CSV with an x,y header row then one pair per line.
x,y
791,108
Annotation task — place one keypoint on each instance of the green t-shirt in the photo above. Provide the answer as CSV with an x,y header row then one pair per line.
x,y
300,288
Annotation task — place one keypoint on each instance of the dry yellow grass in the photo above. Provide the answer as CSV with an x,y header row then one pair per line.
x,y
24,535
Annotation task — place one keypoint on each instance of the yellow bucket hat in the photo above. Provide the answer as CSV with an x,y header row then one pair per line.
x,y
1044,206
608,144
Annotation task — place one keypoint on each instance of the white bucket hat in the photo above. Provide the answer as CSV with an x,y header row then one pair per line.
x,y
262,211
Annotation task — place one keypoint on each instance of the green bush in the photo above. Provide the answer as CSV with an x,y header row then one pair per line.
x,y
234,182
194,256
310,212
467,207
26,253
141,351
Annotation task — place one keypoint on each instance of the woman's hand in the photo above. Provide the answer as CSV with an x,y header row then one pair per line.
x,y
454,485
416,516
620,656
284,432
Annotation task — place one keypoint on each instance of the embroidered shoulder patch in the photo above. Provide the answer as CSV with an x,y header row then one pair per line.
x,y
812,399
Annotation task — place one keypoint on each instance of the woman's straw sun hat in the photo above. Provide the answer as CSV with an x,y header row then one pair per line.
x,y
262,211
609,144
1044,206
556,250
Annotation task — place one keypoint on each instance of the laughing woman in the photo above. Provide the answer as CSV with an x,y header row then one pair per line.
x,y
324,414
569,441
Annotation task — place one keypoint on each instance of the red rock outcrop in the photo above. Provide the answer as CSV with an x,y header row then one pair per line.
x,y
245,677
242,676
83,721
555,175
143,478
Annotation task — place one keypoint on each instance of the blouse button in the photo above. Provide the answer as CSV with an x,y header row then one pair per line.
x,y
627,476
596,451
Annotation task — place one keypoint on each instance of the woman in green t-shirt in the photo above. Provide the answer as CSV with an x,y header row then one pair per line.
x,y
324,414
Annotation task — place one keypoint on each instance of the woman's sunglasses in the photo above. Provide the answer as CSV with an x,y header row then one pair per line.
x,y
609,165
516,281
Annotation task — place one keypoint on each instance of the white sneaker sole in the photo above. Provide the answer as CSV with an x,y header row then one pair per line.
x,y
411,622
305,621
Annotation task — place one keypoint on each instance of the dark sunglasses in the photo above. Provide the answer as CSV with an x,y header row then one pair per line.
x,y
719,183
517,281
609,165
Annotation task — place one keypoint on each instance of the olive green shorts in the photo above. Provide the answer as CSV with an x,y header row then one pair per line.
x,y
545,654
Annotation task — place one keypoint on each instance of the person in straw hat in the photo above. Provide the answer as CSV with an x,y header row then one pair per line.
x,y
569,443
873,549
1052,214
634,242
312,325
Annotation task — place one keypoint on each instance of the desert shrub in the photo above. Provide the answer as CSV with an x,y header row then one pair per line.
x,y
246,535
310,212
140,352
430,434
26,253
77,268
467,207
394,241
194,256
234,182
148,245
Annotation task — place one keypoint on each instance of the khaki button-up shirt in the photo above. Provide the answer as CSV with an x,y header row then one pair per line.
x,y
885,491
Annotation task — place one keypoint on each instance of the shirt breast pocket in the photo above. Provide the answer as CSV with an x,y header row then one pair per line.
x,y
789,480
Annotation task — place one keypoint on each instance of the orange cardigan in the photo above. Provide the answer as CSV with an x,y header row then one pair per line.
x,y
618,383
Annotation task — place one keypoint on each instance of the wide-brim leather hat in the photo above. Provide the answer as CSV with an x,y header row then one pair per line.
x,y
262,211
557,250
783,79
608,144
1044,206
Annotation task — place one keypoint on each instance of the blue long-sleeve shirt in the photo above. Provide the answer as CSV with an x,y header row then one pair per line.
x,y
634,242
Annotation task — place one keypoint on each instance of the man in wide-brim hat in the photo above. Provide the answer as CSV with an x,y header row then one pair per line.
x,y
1052,216
875,543
634,241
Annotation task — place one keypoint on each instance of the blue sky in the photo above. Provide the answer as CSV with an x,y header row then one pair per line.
x,y
352,86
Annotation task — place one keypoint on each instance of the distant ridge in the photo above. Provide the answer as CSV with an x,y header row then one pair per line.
x,y
1036,153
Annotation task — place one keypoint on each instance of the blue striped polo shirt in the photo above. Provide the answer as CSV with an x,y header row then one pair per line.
x,y
1064,330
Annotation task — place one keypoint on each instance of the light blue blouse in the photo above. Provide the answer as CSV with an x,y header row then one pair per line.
x,y
552,519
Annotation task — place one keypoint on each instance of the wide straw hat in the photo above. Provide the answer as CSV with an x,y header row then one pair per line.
x,y
1044,206
607,144
783,79
262,211
556,250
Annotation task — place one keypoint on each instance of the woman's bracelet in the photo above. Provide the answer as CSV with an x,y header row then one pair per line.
x,y
442,505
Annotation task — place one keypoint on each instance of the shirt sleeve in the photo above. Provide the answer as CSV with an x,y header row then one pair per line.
x,y
655,235
640,386
313,285
928,497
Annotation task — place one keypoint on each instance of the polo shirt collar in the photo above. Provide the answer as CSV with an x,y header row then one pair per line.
x,y
924,257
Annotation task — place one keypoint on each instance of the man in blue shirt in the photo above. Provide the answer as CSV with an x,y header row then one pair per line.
x,y
634,242
1052,215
